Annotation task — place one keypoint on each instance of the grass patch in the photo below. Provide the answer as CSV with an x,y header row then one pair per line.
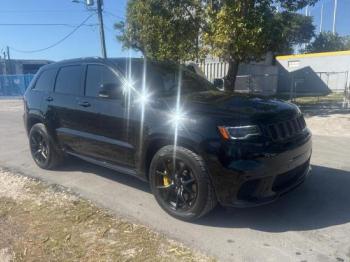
x,y
49,224
332,98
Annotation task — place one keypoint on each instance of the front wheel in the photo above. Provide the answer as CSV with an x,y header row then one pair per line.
x,y
180,183
43,151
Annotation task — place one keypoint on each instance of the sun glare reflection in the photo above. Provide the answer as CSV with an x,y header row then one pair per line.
x,y
142,98
127,92
177,115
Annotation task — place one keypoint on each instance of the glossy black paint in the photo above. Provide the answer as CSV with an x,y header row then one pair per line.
x,y
108,132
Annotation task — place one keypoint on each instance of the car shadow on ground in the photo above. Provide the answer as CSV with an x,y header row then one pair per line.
x,y
322,201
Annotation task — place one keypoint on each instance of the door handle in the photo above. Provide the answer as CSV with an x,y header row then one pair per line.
x,y
49,99
84,104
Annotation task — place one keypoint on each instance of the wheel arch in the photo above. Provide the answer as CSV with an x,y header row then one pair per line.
x,y
33,119
155,144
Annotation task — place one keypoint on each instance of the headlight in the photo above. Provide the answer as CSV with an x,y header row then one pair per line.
x,y
239,132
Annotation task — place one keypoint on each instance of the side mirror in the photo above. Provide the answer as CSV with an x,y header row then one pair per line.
x,y
219,83
109,90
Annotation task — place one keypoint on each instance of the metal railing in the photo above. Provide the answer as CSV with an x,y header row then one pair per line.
x,y
14,85
336,81
264,84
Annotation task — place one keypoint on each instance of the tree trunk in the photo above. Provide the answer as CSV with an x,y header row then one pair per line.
x,y
231,76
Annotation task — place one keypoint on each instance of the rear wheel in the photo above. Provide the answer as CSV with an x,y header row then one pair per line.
x,y
180,183
43,151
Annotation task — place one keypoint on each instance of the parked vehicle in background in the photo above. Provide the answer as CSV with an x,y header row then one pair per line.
x,y
165,124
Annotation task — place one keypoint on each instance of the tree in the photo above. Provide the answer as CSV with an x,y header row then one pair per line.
x,y
290,29
237,32
162,30
234,30
243,31
327,41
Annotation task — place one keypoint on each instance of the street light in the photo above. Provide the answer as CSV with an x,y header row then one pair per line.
x,y
87,2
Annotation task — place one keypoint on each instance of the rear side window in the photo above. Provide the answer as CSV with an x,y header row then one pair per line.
x,y
98,75
46,80
69,80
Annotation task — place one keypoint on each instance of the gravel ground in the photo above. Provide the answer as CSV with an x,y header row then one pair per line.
x,y
330,125
48,223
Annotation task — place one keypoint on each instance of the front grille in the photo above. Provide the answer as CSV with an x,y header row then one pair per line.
x,y
285,129
248,189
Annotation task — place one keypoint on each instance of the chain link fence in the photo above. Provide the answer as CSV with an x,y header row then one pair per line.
x,y
251,78
264,84
14,85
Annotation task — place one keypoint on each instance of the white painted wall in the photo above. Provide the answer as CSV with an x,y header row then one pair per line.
x,y
332,67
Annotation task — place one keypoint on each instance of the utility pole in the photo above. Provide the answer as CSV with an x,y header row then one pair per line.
x,y
99,4
321,22
9,66
102,32
335,14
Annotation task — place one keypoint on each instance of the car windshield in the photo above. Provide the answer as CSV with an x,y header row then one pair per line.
x,y
162,79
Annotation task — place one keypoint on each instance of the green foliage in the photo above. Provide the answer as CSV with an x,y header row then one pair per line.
x,y
234,30
327,41
162,30
294,5
289,29
237,30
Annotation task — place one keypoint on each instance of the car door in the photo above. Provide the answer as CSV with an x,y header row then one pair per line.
x,y
61,105
39,90
102,118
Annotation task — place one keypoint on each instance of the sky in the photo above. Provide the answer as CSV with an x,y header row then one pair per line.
x,y
85,41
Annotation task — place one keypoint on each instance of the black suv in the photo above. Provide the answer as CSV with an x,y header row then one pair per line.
x,y
164,124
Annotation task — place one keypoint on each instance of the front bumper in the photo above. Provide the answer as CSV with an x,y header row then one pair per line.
x,y
262,179
266,191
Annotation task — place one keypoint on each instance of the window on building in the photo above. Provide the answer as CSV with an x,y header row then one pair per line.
x,y
293,64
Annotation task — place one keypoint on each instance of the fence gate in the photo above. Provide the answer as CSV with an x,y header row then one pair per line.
x,y
14,85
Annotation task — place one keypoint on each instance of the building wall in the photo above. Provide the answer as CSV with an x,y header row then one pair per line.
x,y
20,67
259,77
312,73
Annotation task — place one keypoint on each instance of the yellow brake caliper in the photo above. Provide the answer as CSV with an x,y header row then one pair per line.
x,y
166,180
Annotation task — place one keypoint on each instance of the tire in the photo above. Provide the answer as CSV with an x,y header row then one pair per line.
x,y
192,167
41,145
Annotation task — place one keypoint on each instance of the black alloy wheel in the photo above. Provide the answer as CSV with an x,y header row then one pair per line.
x,y
180,183
39,148
176,183
43,151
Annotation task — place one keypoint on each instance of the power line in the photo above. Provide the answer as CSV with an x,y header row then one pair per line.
x,y
39,11
58,42
37,24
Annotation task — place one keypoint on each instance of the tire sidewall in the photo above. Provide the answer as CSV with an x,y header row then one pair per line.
x,y
198,172
41,129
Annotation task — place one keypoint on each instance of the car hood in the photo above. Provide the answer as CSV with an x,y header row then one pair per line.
x,y
236,105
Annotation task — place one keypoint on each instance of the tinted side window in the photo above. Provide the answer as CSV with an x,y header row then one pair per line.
x,y
96,76
46,80
69,80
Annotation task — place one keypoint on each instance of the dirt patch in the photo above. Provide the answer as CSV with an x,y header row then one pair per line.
x,y
9,105
331,125
48,223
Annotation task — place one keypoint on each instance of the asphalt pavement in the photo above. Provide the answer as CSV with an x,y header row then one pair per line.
x,y
311,223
